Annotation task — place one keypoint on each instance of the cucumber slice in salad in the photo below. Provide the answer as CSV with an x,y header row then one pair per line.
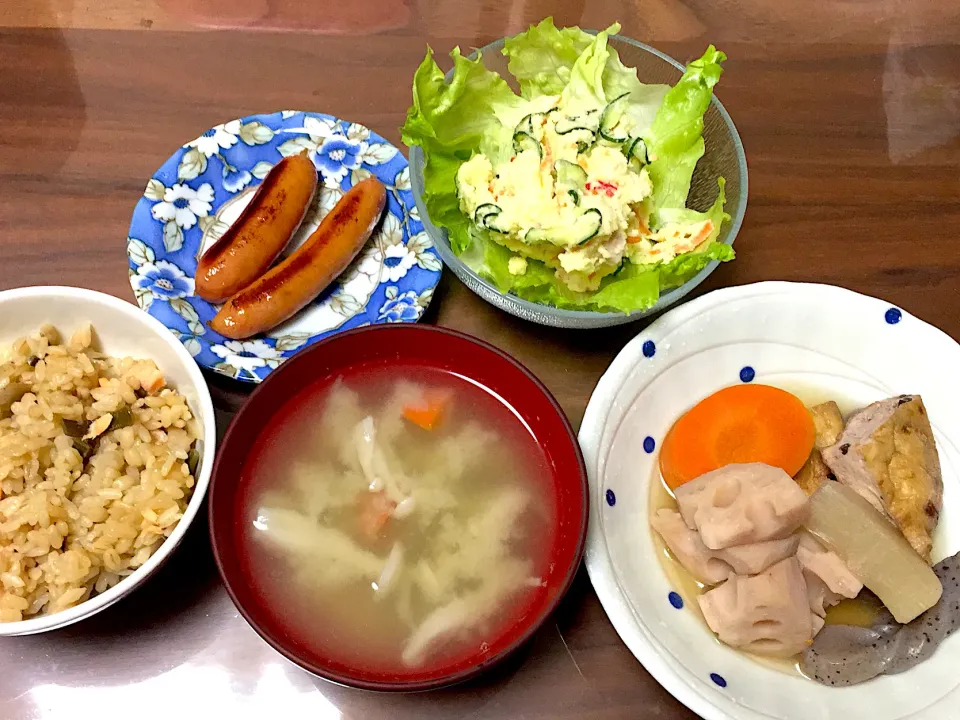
x,y
636,149
492,222
584,137
570,175
579,134
484,210
582,129
582,230
583,146
610,129
487,216
525,141
525,125
586,121
532,124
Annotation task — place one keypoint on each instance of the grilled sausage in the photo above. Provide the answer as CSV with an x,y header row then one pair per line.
x,y
261,232
306,273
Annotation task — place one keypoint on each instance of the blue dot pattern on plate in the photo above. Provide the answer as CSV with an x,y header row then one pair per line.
x,y
611,498
718,680
893,316
649,444
675,600
747,374
649,349
190,200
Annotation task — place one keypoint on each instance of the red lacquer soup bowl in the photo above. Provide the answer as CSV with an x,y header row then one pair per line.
x,y
428,349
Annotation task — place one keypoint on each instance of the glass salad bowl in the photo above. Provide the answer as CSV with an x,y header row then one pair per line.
x,y
724,157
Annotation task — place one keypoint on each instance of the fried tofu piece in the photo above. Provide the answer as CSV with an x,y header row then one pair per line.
x,y
888,455
813,473
828,423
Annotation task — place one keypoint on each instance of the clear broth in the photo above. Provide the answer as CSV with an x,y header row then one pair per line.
x,y
349,621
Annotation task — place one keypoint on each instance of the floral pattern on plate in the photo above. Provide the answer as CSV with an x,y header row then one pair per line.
x,y
194,197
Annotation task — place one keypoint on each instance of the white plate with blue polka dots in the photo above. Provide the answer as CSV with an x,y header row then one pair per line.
x,y
818,338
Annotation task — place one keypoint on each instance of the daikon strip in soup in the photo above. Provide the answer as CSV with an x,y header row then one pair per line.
x,y
398,518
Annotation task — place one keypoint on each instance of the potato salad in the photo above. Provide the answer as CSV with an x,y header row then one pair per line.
x,y
572,193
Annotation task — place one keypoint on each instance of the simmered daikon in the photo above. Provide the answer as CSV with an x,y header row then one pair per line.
x,y
874,550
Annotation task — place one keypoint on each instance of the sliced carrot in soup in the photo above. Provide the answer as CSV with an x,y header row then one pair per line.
x,y
739,424
374,513
429,411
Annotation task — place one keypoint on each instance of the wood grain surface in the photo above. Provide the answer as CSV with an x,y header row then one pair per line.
x,y
850,114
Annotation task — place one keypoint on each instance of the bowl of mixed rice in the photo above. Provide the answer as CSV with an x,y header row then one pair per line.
x,y
107,439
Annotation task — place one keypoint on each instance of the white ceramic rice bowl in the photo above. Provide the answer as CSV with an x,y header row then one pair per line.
x,y
122,330
793,335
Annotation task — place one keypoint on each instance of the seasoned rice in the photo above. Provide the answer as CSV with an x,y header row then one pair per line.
x,y
96,459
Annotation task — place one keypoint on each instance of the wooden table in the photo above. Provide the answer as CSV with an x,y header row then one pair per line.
x,y
850,115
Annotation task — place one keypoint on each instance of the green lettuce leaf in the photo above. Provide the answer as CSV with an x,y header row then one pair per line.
x,y
440,197
675,138
542,57
634,287
679,123
450,122
585,88
454,117
671,177
683,267
683,215
496,257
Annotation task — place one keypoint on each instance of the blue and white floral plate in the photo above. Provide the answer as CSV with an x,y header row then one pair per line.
x,y
196,194
822,342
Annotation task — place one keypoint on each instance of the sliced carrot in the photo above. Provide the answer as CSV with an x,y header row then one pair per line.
x,y
697,240
429,413
375,509
739,424
426,417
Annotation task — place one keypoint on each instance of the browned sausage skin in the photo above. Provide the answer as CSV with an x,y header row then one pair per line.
x,y
296,281
264,228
